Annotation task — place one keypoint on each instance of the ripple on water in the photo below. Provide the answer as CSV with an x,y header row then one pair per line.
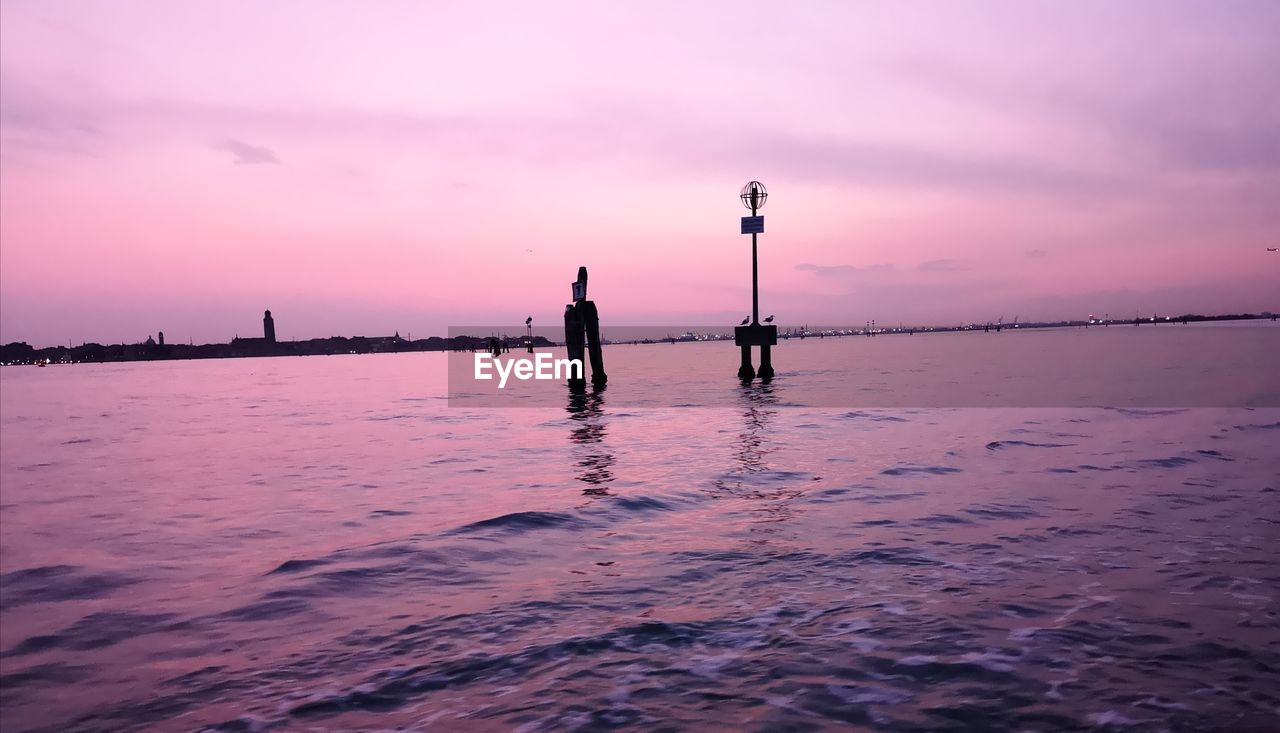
x,y
1258,426
1215,454
941,519
100,630
53,673
886,556
884,498
393,568
54,583
297,566
1171,462
267,609
1002,511
641,504
873,417
1002,444
916,470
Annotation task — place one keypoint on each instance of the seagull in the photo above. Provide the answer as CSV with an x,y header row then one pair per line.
x,y
1271,249
769,319
745,321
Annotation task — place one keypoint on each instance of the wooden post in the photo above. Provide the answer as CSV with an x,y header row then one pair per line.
x,y
573,340
591,320
766,363
582,334
746,372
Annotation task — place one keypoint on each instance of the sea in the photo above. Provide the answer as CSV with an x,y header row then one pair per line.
x,y
341,542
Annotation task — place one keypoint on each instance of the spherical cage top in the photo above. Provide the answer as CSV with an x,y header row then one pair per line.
x,y
753,195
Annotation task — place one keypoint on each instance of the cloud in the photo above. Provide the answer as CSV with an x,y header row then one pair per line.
x,y
246,154
590,131
862,162
841,270
941,266
1036,253
1219,116
31,119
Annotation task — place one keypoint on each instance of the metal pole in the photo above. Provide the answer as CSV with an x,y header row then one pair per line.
x,y
755,280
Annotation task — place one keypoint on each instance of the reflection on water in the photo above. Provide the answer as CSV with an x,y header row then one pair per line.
x,y
594,461
753,475
758,408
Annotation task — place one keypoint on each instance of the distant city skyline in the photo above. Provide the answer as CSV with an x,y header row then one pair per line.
x,y
359,171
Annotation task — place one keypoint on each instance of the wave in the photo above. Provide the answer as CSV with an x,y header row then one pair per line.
x,y
520,522
56,583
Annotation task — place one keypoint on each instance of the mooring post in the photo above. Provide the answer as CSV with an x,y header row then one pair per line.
x,y
746,372
591,320
582,333
766,363
573,340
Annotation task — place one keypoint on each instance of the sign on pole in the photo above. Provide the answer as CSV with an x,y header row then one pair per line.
x,y
753,225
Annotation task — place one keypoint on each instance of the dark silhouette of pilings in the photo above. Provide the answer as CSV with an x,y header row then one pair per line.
x,y
591,320
756,334
746,372
574,340
582,335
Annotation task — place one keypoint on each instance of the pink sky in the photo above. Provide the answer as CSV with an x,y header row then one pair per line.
x,y
363,168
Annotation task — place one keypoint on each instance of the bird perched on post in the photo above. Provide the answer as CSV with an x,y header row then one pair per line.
x,y
769,319
745,321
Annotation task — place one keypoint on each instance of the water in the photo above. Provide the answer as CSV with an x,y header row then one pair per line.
x,y
324,544
1209,365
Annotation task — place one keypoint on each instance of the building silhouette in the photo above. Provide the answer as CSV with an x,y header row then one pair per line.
x,y
161,338
264,345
